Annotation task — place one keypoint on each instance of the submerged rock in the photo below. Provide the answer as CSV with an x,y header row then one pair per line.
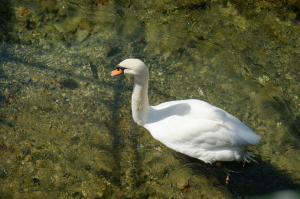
x,y
69,83
82,35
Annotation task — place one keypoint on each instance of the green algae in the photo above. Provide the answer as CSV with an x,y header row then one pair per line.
x,y
65,124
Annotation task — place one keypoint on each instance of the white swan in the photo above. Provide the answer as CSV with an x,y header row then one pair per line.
x,y
192,127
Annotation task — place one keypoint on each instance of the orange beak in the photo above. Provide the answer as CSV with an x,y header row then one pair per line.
x,y
117,72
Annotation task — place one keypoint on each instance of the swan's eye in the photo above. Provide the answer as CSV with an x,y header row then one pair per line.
x,y
120,67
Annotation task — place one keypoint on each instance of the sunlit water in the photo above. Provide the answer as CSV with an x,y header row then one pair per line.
x,y
65,125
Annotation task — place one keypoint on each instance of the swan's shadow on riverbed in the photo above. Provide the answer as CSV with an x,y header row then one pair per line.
x,y
250,179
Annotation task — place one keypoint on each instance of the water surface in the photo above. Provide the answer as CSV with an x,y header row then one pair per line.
x,y
65,124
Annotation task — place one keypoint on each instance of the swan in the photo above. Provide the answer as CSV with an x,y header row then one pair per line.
x,y
192,127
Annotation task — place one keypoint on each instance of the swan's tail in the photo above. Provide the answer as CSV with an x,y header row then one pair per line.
x,y
249,157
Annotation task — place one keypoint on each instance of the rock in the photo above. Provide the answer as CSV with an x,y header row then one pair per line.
x,y
48,5
81,35
3,173
69,83
183,184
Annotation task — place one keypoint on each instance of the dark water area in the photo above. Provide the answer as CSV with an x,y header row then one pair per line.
x,y
65,125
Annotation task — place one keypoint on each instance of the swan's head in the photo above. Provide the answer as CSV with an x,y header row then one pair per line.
x,y
131,66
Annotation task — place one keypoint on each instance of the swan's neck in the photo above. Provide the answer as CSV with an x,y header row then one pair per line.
x,y
139,100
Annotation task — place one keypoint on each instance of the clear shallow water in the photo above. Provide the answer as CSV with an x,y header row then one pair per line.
x,y
65,124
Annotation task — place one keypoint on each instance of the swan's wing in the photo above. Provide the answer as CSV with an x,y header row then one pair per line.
x,y
202,120
198,132
206,140
243,133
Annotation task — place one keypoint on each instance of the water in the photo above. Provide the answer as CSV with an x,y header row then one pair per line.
x,y
66,129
